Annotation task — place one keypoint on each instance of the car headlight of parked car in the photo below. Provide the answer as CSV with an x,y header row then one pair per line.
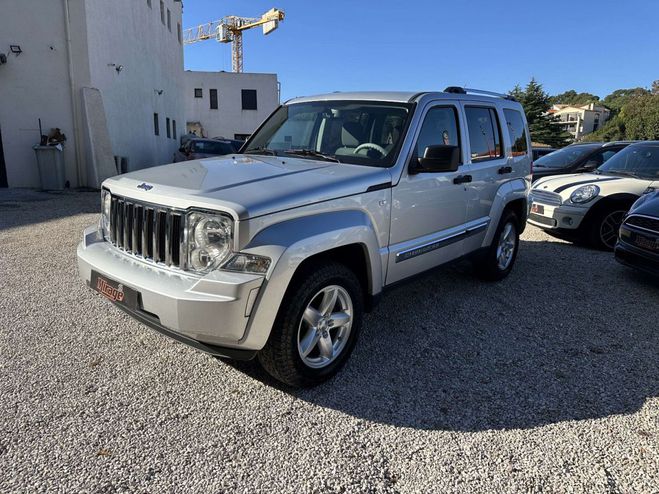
x,y
106,203
584,194
210,240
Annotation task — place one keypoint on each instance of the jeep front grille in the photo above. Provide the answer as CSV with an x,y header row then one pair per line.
x,y
154,233
644,222
546,197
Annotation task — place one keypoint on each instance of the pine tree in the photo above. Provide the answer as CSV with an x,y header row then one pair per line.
x,y
536,103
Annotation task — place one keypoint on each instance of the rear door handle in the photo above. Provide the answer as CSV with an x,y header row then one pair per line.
x,y
505,169
462,179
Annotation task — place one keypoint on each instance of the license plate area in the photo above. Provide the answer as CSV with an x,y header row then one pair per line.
x,y
114,291
537,208
646,243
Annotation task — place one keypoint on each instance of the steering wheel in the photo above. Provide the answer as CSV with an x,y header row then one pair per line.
x,y
370,145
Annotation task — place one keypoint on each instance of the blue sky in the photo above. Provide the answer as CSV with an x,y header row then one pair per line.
x,y
339,45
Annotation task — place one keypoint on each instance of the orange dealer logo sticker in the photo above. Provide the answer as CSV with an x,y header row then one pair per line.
x,y
114,294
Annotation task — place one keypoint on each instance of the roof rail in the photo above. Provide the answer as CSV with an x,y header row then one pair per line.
x,y
465,90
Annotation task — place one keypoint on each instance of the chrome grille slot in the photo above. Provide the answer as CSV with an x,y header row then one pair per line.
x,y
647,223
546,197
150,232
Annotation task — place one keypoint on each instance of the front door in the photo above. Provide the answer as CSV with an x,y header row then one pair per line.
x,y
428,209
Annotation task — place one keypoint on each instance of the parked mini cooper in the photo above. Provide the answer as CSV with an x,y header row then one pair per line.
x,y
277,252
591,206
638,242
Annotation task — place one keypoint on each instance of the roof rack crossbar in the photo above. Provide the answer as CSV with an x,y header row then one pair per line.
x,y
465,90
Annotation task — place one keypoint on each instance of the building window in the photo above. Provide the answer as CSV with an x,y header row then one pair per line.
x,y
169,20
249,99
213,95
174,129
156,124
148,2
179,33
167,126
198,92
162,12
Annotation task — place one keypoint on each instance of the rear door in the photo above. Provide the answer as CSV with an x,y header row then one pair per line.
x,y
486,164
428,209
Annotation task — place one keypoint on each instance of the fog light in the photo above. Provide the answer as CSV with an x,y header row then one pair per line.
x,y
567,220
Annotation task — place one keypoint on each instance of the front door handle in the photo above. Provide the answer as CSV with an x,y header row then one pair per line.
x,y
505,169
462,179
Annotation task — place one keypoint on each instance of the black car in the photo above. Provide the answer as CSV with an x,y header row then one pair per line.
x,y
540,152
638,239
197,148
576,158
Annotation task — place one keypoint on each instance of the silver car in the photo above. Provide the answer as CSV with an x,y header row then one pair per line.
x,y
278,252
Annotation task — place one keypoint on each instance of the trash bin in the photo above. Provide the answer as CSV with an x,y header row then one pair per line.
x,y
50,160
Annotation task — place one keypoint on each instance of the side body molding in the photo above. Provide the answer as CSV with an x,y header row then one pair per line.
x,y
289,243
512,190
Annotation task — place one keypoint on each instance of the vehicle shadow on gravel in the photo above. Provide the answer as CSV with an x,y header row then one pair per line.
x,y
20,207
569,335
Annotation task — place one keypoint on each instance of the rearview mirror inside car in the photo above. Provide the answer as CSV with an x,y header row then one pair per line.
x,y
439,158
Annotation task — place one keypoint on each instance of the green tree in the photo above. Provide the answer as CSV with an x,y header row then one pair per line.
x,y
571,97
536,103
638,118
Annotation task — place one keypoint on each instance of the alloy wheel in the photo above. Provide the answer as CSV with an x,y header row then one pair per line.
x,y
609,228
325,327
506,246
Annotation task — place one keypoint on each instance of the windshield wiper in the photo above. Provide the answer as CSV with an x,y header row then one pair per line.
x,y
261,150
312,153
621,172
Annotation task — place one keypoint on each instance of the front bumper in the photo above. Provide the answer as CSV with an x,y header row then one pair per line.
x,y
633,256
552,217
210,313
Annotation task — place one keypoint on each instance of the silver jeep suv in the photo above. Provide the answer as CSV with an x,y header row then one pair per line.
x,y
277,251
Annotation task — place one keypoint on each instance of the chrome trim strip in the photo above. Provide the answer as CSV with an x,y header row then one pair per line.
x,y
168,239
134,230
438,244
156,235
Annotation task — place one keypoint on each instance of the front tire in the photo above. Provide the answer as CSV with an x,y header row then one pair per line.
x,y
316,328
498,260
602,233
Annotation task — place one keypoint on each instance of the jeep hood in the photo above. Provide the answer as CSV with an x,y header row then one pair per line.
x,y
608,184
246,185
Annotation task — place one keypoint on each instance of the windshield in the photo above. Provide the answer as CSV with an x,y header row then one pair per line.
x,y
211,147
564,157
364,133
641,161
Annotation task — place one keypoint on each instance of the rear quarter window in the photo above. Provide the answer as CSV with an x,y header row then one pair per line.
x,y
484,133
516,131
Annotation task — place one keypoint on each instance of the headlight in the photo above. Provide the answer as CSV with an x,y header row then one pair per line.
x,y
584,194
106,204
209,240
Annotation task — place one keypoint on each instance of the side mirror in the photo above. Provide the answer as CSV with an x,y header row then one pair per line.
x,y
181,150
439,158
590,165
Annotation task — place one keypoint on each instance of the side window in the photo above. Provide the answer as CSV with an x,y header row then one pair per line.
x,y
608,153
439,127
484,133
516,131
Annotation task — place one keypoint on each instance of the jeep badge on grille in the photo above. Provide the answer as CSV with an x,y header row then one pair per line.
x,y
145,186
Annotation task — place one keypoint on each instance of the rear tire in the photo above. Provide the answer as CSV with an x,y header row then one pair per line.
x,y
500,256
316,328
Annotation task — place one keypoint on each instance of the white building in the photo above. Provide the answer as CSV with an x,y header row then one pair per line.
x,y
580,120
109,74
226,104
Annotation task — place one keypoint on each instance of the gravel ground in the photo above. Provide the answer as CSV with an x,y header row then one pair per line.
x,y
545,382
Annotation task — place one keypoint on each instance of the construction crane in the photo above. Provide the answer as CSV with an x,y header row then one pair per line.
x,y
230,29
